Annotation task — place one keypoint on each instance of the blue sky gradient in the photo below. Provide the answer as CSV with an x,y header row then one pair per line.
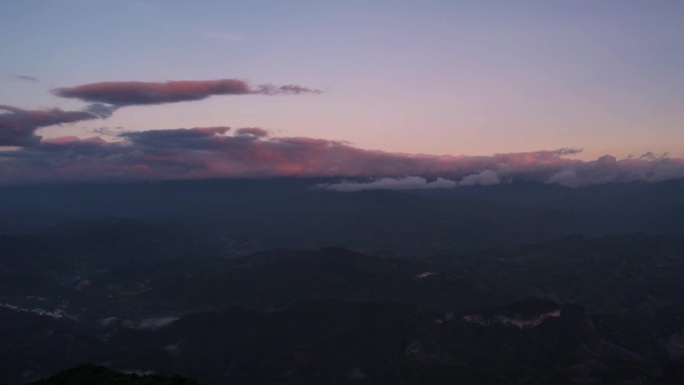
x,y
432,77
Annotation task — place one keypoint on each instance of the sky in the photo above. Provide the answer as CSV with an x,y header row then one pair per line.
x,y
435,89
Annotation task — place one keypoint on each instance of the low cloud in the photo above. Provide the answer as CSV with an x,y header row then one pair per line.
x,y
405,183
485,178
212,152
18,126
607,169
132,93
252,131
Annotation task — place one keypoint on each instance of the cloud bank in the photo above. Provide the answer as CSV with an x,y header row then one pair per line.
x,y
211,152
484,178
251,152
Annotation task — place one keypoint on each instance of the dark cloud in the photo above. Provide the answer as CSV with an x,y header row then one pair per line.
x,y
120,94
102,111
108,131
18,126
252,131
212,153
569,151
145,93
176,138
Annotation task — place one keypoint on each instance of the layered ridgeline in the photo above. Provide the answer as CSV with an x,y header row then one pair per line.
x,y
284,281
245,216
575,310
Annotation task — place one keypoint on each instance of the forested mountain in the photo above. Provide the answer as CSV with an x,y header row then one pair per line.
x,y
245,286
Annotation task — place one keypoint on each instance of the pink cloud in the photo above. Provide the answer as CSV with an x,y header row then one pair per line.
x,y
132,93
211,153
18,126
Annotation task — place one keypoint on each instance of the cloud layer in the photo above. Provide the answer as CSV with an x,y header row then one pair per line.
x,y
211,152
17,126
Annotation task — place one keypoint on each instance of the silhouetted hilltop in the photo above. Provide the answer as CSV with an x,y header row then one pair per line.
x,y
92,374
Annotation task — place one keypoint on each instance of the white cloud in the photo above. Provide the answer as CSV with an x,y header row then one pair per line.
x,y
485,178
406,183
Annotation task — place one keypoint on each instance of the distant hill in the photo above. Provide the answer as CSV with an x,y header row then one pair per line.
x,y
245,216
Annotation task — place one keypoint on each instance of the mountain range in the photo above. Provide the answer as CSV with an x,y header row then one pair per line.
x,y
286,282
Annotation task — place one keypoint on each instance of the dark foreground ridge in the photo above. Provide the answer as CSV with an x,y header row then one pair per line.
x,y
99,375
533,341
574,311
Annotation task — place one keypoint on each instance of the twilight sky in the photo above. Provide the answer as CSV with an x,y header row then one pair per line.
x,y
474,91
